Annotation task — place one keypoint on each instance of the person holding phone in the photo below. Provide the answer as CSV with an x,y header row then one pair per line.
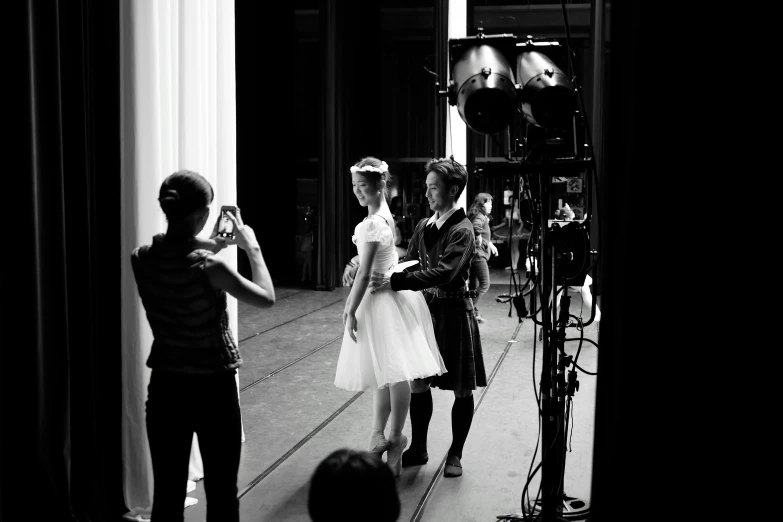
x,y
183,285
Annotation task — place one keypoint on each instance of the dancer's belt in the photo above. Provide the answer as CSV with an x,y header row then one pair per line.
x,y
459,294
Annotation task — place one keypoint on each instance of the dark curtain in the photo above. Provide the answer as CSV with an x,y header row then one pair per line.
x,y
615,476
61,388
441,23
350,123
266,141
599,18
648,392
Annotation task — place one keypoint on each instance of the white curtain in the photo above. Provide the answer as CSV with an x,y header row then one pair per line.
x,y
178,112
457,137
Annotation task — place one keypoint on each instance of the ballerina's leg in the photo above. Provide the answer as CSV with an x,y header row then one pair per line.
x,y
400,393
381,409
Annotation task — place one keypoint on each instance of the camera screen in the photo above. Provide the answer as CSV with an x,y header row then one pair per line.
x,y
226,226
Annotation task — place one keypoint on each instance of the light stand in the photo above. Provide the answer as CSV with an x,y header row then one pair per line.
x,y
555,505
516,299
557,387
483,87
551,410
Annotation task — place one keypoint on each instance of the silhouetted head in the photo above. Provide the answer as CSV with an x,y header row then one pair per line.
x,y
353,486
185,197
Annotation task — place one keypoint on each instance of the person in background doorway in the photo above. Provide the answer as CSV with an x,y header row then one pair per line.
x,y
512,230
395,206
480,214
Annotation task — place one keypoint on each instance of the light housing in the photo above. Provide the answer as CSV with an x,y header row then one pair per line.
x,y
486,95
546,94
488,92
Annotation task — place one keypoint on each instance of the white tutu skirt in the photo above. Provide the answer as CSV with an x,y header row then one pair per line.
x,y
395,342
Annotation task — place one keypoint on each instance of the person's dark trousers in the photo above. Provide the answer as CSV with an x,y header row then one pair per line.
x,y
479,279
177,406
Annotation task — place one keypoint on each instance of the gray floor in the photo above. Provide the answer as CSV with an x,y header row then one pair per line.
x,y
293,415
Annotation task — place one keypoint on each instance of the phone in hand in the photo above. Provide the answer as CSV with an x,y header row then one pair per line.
x,y
225,225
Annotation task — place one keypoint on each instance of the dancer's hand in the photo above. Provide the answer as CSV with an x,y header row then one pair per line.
x,y
347,308
349,319
493,250
378,281
349,274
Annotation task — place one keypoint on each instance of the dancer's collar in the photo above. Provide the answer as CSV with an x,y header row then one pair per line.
x,y
439,220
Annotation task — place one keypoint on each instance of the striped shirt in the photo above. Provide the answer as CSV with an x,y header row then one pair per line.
x,y
188,316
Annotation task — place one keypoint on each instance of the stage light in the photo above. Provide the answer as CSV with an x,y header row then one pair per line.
x,y
488,92
485,90
547,95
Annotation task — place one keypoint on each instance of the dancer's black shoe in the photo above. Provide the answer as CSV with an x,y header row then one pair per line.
x,y
453,467
414,457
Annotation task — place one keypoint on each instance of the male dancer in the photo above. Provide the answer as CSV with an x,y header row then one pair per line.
x,y
444,246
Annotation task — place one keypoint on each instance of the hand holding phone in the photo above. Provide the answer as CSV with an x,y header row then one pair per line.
x,y
242,235
226,228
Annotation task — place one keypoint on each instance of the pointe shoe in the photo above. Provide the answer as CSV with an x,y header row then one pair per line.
x,y
394,456
378,443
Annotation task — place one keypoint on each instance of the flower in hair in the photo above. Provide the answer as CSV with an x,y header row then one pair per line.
x,y
383,167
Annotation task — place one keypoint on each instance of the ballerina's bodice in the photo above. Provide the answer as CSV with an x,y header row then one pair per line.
x,y
375,229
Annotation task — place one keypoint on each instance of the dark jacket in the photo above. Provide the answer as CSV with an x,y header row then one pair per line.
x,y
444,256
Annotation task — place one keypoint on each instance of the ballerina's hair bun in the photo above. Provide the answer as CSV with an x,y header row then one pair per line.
x,y
184,192
169,201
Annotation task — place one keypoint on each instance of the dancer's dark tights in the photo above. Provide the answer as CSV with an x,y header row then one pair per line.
x,y
421,413
461,419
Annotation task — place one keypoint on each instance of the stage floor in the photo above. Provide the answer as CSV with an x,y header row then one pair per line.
x,y
294,416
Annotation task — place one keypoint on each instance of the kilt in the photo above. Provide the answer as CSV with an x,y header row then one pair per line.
x,y
457,333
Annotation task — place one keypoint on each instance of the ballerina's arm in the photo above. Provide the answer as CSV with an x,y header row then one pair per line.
x,y
359,287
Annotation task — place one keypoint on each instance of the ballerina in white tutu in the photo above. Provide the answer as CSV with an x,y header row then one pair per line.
x,y
389,339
